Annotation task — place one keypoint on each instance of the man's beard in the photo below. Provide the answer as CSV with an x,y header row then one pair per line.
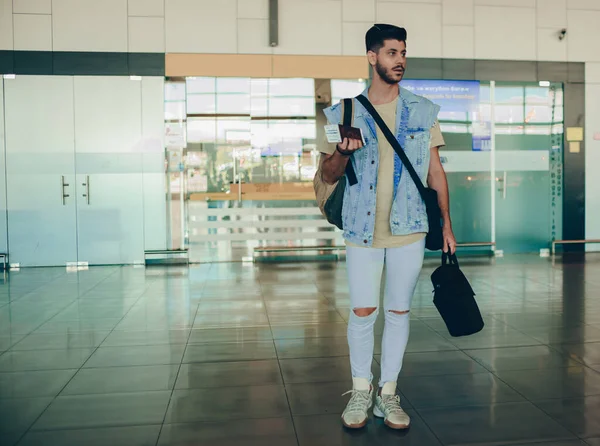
x,y
383,74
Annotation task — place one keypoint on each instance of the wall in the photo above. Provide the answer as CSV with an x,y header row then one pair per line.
x,y
451,29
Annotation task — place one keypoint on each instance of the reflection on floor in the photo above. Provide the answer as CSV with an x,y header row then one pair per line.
x,y
234,354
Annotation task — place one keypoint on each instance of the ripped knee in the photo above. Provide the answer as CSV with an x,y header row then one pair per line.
x,y
364,312
399,312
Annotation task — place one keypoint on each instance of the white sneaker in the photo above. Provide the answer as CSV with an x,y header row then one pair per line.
x,y
355,415
387,406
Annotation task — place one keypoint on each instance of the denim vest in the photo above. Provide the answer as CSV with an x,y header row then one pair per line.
x,y
415,116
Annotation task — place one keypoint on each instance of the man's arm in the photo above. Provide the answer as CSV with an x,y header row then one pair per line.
x,y
333,166
437,180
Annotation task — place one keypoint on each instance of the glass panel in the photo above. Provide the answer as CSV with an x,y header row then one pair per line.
x,y
40,170
342,88
528,166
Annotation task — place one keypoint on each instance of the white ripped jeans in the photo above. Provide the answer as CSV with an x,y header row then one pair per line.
x,y
365,268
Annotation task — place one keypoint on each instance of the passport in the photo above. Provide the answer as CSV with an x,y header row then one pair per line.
x,y
337,132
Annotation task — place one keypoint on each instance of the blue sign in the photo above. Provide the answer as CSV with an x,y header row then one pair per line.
x,y
451,96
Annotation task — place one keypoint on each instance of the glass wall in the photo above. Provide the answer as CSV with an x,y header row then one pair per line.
x,y
242,153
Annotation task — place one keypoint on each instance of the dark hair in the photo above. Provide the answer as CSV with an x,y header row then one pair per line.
x,y
375,37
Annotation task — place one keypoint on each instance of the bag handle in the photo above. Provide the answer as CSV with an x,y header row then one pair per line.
x,y
348,104
394,143
452,257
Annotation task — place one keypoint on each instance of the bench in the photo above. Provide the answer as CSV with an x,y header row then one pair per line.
x,y
571,242
165,252
271,249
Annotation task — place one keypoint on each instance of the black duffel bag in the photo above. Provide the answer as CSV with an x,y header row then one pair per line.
x,y
455,299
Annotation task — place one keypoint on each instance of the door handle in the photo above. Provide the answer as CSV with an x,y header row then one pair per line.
x,y
63,185
504,181
87,189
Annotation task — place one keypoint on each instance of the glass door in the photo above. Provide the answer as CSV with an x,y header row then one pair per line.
x,y
40,166
527,148
109,161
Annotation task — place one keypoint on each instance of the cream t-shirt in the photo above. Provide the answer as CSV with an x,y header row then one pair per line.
x,y
382,235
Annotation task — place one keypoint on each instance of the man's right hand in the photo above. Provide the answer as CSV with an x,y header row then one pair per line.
x,y
348,146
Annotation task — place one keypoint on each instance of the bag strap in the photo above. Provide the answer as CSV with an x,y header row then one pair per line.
x,y
394,143
348,105
447,256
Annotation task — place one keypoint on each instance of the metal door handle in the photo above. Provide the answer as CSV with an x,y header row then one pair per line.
x,y
63,186
87,189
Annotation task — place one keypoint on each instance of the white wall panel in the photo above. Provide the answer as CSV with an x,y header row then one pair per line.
x,y
32,6
89,25
551,13
424,39
310,27
353,43
146,34
253,36
253,9
511,38
515,3
33,32
592,72
458,12
458,42
584,4
358,11
6,25
201,26
549,48
146,8
583,33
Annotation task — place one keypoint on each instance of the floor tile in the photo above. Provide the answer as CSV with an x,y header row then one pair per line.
x,y
500,424
574,414
10,439
320,330
44,360
33,384
81,325
88,411
227,403
495,338
227,320
138,355
321,398
327,430
438,363
311,348
257,432
592,441
564,335
553,383
154,337
247,351
122,380
238,334
61,341
113,436
17,415
456,390
313,370
588,353
536,357
228,374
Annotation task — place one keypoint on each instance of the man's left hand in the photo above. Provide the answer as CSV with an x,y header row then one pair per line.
x,y
449,240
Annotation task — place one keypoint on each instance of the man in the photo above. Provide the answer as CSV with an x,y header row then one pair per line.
x,y
385,221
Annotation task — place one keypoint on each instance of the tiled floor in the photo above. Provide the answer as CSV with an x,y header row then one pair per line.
x,y
237,354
